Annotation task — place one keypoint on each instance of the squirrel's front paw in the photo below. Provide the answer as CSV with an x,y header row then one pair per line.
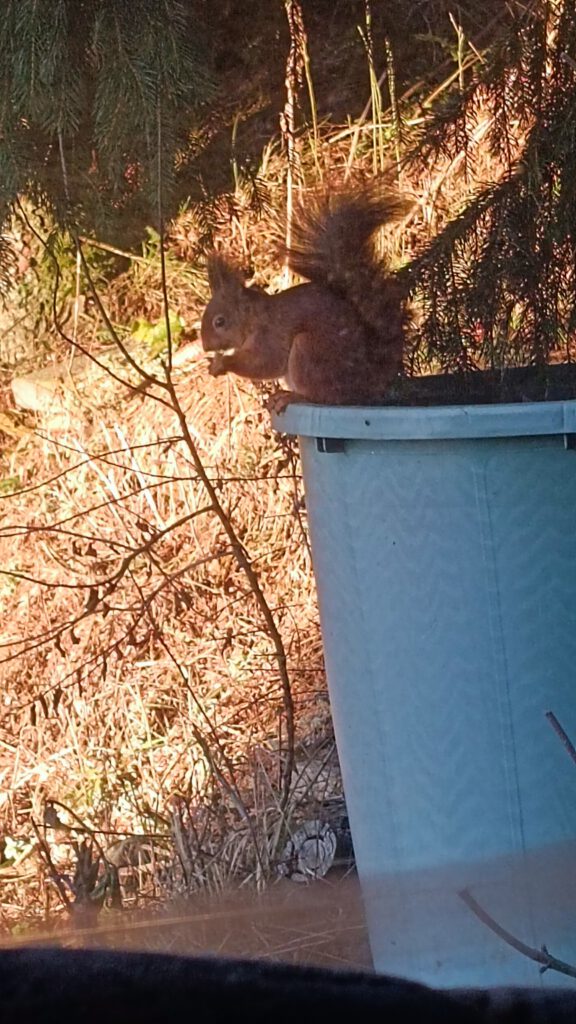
x,y
217,365
280,400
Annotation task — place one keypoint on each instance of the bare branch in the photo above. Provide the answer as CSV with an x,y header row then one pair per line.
x,y
540,956
245,565
571,749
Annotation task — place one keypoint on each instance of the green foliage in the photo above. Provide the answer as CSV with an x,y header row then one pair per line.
x,y
154,336
15,850
57,249
48,287
91,92
41,71
498,286
9,484
149,72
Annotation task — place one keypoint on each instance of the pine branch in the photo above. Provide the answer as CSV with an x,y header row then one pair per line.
x,y
497,287
90,73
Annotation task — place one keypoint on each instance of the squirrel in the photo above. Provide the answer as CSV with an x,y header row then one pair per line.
x,y
336,340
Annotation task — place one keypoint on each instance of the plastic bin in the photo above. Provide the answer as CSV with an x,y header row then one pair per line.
x,y
444,549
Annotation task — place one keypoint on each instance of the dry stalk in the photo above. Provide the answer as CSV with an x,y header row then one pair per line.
x,y
293,82
540,956
239,551
251,575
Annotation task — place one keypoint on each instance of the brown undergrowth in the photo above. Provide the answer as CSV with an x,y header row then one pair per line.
x,y
140,687
144,733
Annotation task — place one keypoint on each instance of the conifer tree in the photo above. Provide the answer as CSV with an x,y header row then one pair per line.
x,y
498,285
90,92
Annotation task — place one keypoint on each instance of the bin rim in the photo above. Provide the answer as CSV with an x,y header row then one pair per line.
x,y
419,423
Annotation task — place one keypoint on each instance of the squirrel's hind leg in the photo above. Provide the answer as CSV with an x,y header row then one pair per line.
x,y
328,367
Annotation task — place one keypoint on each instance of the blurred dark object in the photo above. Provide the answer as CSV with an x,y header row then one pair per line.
x,y
478,387
57,985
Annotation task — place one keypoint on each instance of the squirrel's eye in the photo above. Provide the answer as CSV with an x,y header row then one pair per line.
x,y
219,321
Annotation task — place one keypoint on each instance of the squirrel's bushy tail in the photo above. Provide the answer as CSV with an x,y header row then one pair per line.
x,y
333,245
333,233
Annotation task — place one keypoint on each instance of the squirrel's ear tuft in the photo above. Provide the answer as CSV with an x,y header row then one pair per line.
x,y
223,275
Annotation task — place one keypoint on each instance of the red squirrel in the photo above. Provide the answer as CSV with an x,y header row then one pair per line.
x,y
337,340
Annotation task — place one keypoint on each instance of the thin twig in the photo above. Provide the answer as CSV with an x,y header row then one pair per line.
x,y
79,251
105,247
247,568
540,956
293,79
160,204
54,875
81,826
148,378
231,787
134,388
562,734
90,457
240,554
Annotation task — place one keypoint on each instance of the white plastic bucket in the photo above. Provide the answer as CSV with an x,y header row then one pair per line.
x,y
444,548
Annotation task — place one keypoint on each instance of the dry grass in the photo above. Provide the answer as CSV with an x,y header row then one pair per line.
x,y
140,688
169,687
